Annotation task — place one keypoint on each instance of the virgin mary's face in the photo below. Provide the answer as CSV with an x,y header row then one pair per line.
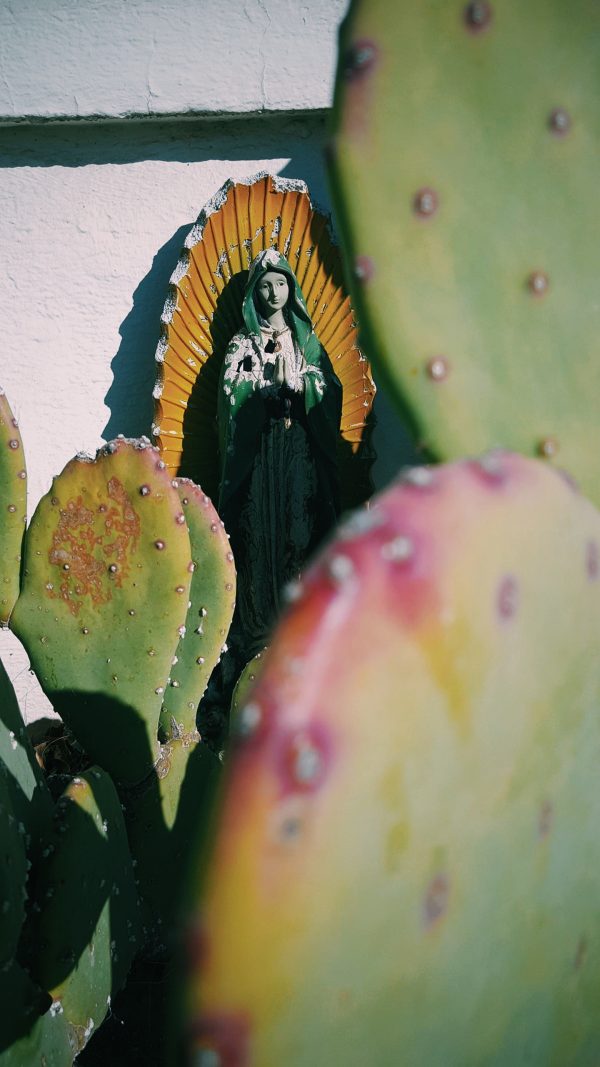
x,y
273,291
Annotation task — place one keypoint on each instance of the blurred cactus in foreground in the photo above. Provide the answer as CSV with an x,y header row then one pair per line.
x,y
408,830
401,866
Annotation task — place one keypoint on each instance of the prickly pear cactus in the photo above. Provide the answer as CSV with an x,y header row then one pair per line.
x,y
13,871
31,1033
210,611
29,796
405,868
104,599
463,171
244,684
165,820
13,507
47,1044
85,923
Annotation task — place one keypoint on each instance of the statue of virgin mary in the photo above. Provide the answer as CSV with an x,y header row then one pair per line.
x,y
279,422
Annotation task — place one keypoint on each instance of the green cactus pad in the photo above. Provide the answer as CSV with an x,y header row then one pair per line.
x,y
85,915
32,1032
104,599
13,871
30,798
47,1044
165,817
244,684
13,507
210,611
464,175
406,869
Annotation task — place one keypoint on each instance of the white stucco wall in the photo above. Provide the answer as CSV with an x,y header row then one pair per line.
x,y
93,214
122,58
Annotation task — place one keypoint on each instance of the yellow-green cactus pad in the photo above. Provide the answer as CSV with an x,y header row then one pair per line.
x,y
244,684
104,600
464,169
13,507
406,868
210,610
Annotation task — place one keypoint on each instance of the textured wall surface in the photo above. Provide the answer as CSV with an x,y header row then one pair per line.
x,y
111,58
93,214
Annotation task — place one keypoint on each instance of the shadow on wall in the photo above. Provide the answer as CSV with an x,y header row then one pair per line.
x,y
129,398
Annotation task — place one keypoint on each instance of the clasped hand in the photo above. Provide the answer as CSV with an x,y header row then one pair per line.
x,y
284,374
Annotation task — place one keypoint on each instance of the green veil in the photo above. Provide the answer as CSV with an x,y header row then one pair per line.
x,y
242,412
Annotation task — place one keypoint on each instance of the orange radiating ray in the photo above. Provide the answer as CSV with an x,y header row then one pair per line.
x,y
204,310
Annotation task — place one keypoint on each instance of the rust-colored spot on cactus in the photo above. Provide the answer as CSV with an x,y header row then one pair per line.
x,y
425,202
225,1035
435,901
478,16
507,600
545,819
82,543
13,444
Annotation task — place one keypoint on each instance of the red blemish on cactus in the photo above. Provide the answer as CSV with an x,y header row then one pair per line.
x,y
545,819
437,368
364,268
507,599
224,1034
580,954
559,122
360,59
478,16
435,902
304,759
13,444
80,548
592,561
425,203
